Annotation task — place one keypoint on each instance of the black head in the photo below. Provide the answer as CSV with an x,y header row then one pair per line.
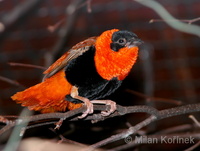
x,y
124,38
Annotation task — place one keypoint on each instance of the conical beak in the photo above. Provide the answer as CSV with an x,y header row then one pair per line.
x,y
134,42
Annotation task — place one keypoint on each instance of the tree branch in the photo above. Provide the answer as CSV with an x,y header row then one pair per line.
x,y
70,115
121,110
160,115
167,17
189,21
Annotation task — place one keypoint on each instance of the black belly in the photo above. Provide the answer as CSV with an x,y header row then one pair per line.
x,y
81,72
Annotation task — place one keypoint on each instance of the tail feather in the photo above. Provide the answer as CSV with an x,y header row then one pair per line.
x,y
47,96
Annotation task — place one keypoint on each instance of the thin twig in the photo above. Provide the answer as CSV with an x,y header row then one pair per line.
x,y
63,139
194,120
53,28
40,124
67,28
10,116
166,16
7,127
89,9
88,4
176,129
122,135
149,98
13,82
26,65
4,120
189,21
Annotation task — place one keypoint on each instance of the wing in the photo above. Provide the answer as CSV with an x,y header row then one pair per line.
x,y
73,53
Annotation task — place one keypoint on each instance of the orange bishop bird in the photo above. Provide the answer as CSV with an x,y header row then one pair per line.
x,y
89,71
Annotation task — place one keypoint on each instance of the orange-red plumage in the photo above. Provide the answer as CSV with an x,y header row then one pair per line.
x,y
118,65
47,96
111,60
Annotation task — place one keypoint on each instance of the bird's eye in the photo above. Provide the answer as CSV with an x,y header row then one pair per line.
x,y
122,41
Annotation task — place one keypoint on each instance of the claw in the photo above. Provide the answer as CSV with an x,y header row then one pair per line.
x,y
112,104
89,104
89,109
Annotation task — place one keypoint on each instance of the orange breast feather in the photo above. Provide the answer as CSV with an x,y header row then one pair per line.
x,y
47,96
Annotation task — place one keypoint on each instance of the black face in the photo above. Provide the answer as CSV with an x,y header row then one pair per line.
x,y
124,38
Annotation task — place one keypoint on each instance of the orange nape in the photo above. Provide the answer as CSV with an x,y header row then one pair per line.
x,y
47,96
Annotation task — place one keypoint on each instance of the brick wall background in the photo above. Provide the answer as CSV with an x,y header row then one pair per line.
x,y
169,62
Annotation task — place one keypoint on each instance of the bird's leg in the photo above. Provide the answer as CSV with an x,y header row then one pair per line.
x,y
89,105
112,104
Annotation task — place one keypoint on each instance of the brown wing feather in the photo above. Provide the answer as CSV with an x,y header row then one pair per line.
x,y
73,53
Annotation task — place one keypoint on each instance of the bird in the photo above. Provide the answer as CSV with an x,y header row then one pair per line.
x,y
88,72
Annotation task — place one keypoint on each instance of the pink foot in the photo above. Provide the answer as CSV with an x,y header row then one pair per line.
x,y
112,104
89,109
